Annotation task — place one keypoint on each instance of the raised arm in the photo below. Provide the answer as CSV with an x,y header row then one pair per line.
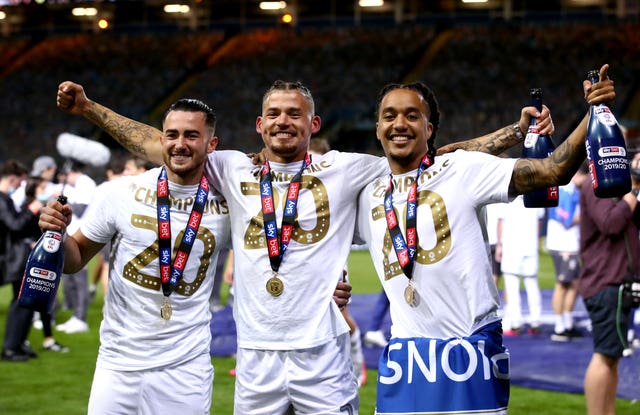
x,y
500,140
140,139
561,165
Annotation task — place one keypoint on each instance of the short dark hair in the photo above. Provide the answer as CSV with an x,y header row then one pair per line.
x,y
13,167
432,106
194,105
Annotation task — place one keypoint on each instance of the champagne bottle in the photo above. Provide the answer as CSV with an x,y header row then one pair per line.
x,y
606,151
538,146
43,271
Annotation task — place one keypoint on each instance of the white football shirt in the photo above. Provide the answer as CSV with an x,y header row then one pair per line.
x,y
133,336
304,315
452,273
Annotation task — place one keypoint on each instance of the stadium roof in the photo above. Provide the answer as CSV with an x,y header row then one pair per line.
x,y
57,15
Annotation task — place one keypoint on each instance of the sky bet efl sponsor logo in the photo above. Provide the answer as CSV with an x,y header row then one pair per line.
x,y
201,196
271,231
286,232
290,207
165,272
195,219
411,210
189,235
605,116
163,188
267,199
612,151
391,220
42,273
180,261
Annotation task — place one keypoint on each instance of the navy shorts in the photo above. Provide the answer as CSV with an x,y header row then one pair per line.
x,y
609,323
567,266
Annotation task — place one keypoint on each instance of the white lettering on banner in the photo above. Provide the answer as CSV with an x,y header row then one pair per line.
x,y
395,366
473,361
429,368
430,375
496,370
485,361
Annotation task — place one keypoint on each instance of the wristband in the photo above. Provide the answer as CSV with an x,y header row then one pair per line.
x,y
518,132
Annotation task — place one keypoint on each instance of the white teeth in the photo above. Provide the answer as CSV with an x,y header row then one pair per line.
x,y
399,138
284,135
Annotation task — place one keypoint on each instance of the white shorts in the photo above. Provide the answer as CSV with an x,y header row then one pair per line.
x,y
319,380
523,266
184,389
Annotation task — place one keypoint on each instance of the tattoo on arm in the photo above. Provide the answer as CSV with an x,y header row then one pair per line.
x,y
133,135
555,170
494,143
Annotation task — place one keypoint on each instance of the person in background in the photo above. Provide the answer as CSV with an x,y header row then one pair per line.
x,y
376,336
36,189
518,237
41,185
100,272
633,335
16,227
609,251
493,212
136,165
563,244
426,238
215,303
44,167
79,189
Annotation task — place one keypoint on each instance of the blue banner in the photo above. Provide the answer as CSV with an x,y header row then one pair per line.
x,y
423,375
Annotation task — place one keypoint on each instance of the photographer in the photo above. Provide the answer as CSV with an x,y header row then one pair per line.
x,y
609,251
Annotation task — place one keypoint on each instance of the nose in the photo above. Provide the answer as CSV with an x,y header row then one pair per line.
x,y
283,119
400,122
181,141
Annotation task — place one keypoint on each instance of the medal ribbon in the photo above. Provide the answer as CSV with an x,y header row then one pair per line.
x,y
405,250
277,244
171,273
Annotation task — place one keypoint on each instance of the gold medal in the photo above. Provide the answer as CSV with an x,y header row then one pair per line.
x,y
165,310
409,294
275,285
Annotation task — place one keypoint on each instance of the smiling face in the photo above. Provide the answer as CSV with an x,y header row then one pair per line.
x,y
286,125
403,128
186,142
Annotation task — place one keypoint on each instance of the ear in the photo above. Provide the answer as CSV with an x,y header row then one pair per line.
x,y
316,123
213,143
259,125
429,129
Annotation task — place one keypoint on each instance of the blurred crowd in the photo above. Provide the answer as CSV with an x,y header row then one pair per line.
x,y
481,74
